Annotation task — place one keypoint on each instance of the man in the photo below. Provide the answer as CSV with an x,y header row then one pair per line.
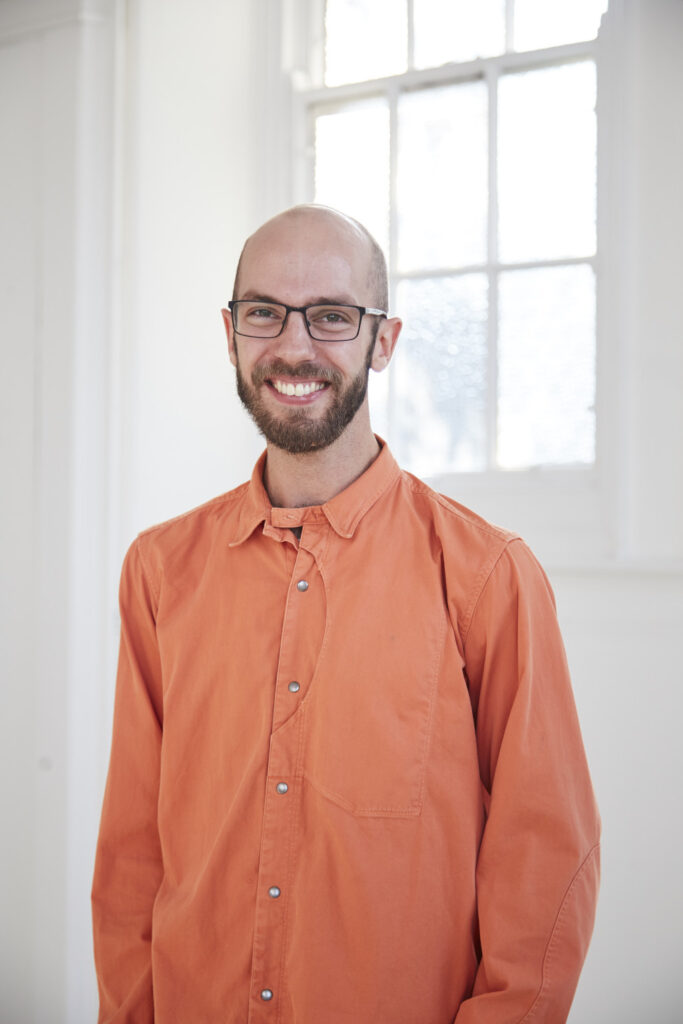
x,y
347,782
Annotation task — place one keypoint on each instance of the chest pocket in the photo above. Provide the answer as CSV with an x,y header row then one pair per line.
x,y
371,704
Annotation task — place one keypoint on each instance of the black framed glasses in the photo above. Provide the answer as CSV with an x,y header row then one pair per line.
x,y
324,321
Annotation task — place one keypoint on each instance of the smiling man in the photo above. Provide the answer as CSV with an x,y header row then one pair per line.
x,y
302,370
347,782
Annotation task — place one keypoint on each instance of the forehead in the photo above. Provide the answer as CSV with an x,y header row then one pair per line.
x,y
303,258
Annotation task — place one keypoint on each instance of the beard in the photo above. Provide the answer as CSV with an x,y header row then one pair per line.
x,y
295,430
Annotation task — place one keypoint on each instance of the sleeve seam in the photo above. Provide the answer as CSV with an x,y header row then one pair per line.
x,y
559,920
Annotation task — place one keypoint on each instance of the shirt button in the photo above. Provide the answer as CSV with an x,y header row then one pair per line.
x,y
282,787
266,995
293,687
273,892
302,585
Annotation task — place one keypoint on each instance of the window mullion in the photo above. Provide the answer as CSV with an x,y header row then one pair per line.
x,y
302,150
509,23
307,157
316,34
417,78
492,245
411,34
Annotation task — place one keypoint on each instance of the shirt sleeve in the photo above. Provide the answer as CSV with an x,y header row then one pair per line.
x,y
538,864
128,868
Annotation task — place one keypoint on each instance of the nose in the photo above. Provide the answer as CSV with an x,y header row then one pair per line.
x,y
295,343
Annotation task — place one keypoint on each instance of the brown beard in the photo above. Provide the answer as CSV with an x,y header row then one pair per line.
x,y
294,431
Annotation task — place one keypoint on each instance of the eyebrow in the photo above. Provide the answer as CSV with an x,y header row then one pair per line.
x,y
322,300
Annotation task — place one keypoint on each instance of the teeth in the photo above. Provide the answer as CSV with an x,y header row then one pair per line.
x,y
287,388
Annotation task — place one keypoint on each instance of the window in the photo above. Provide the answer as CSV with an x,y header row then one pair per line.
x,y
464,136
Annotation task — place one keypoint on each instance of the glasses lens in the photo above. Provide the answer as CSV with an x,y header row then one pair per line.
x,y
259,319
333,323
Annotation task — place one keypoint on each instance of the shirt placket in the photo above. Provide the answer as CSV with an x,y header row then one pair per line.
x,y
282,802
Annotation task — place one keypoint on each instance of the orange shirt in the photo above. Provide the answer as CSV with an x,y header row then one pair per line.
x,y
347,782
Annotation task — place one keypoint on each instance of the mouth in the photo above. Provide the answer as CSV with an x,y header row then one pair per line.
x,y
301,389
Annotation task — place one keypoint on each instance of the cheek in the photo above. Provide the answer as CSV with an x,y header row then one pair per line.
x,y
240,357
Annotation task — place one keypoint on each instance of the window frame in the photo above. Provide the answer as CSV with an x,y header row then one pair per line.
x,y
560,508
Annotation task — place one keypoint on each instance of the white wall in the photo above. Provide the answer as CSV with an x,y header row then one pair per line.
x,y
641,313
188,165
132,167
622,630
125,169
40,166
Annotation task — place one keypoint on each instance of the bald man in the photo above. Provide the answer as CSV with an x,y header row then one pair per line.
x,y
347,782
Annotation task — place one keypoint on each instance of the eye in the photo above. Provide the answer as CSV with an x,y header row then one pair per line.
x,y
332,316
263,313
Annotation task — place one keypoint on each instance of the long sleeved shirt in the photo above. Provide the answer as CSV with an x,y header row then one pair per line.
x,y
347,782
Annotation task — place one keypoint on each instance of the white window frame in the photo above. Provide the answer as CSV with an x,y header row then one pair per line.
x,y
563,510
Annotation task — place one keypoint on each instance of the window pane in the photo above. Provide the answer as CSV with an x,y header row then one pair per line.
x,y
364,39
547,163
352,164
457,30
546,375
538,23
442,177
439,375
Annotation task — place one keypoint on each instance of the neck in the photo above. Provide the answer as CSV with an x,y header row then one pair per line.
x,y
312,478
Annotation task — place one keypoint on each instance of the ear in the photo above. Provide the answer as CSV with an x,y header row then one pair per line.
x,y
229,330
385,343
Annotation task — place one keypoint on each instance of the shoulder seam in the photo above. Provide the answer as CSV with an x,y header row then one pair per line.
x,y
145,570
480,586
419,487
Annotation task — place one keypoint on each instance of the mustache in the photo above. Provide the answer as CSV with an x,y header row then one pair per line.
x,y
303,371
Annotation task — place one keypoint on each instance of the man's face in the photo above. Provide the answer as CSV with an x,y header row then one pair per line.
x,y
301,260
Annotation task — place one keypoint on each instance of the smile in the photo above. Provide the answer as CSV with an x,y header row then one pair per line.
x,y
298,390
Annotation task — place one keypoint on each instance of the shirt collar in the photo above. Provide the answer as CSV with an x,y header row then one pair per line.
x,y
343,512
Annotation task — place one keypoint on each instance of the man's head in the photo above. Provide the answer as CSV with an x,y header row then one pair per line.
x,y
310,254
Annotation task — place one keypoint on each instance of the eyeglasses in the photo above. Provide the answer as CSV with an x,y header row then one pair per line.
x,y
324,322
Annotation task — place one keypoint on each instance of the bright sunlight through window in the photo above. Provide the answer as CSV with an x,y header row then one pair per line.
x,y
466,142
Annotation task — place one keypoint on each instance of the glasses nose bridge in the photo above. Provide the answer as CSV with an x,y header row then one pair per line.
x,y
302,310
